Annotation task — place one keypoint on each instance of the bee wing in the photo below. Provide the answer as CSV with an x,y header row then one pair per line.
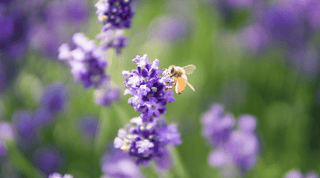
x,y
189,69
190,86
180,85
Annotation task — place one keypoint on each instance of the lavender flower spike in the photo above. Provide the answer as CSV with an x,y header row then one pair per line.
x,y
87,61
147,141
147,88
57,175
115,13
113,39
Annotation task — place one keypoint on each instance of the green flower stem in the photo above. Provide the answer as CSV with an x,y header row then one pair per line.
x,y
22,163
178,166
122,114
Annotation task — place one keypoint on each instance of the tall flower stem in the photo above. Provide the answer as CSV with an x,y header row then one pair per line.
x,y
22,163
178,165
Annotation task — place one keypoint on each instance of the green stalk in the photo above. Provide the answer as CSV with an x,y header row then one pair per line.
x,y
22,163
178,166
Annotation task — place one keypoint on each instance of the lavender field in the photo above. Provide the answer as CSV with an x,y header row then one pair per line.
x,y
159,89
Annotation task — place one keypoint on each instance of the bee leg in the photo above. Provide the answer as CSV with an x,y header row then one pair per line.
x,y
171,87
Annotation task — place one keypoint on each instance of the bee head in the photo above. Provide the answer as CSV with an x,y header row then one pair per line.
x,y
171,69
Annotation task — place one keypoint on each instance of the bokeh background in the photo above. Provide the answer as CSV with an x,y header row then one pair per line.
x,y
255,57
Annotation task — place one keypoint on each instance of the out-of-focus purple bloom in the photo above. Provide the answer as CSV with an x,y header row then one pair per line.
x,y
147,141
147,88
14,29
57,175
305,59
313,14
217,126
164,163
115,13
106,94
297,174
89,126
118,164
240,3
87,61
247,123
54,98
113,39
41,117
236,148
6,131
48,160
3,149
312,174
24,127
284,25
254,38
53,29
168,28
294,174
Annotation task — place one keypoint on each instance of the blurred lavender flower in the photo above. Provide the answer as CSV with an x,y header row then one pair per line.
x,y
14,29
6,131
41,117
48,160
164,163
168,28
254,38
113,39
54,28
106,94
235,149
88,125
146,141
57,175
217,126
24,127
147,88
297,174
54,98
118,164
3,149
114,14
87,61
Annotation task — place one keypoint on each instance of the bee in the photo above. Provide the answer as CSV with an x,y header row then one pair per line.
x,y
180,80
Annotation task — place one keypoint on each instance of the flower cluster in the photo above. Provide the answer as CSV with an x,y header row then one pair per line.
x,y
147,141
87,61
57,175
147,88
233,147
107,94
113,39
298,174
115,13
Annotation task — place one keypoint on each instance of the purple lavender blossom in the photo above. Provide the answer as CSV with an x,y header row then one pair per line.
x,y
24,127
294,174
113,39
106,94
147,141
89,126
165,163
57,175
147,88
41,117
115,14
236,149
168,28
87,61
217,126
313,14
118,164
54,98
48,160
